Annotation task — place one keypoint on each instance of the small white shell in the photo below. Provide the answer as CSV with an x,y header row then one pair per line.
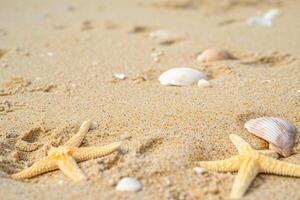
x,y
129,184
266,19
203,83
270,14
260,21
278,132
199,170
119,76
181,76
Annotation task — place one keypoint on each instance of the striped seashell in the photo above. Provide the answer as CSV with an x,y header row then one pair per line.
x,y
214,54
181,76
278,132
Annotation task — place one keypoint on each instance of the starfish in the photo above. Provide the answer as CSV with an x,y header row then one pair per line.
x,y
65,157
249,163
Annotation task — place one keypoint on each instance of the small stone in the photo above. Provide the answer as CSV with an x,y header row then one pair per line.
x,y
199,170
129,184
203,83
120,76
94,125
168,181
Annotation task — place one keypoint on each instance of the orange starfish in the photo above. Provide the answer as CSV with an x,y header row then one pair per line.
x,y
65,157
249,163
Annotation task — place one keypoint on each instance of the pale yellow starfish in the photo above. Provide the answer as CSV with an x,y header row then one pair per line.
x,y
65,157
249,163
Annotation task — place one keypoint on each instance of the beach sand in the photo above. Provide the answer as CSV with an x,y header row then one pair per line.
x,y
57,60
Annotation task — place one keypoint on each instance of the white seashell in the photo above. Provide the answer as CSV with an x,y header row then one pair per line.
x,y
266,19
270,14
203,83
214,54
278,132
181,76
119,76
129,184
260,21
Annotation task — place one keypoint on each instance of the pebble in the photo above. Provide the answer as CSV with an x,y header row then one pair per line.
x,y
199,170
168,181
94,125
203,83
129,184
120,76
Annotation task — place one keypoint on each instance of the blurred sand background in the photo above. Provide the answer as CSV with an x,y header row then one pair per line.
x,y
57,60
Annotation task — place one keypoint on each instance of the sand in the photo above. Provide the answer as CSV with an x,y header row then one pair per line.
x,y
57,65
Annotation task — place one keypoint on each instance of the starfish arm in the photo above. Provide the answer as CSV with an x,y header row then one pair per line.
x,y
244,178
47,164
272,166
241,145
85,153
269,153
228,165
69,167
76,140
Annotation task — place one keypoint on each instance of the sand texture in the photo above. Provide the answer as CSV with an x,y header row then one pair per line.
x,y
57,65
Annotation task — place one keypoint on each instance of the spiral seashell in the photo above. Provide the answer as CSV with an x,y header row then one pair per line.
x,y
278,132
181,76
